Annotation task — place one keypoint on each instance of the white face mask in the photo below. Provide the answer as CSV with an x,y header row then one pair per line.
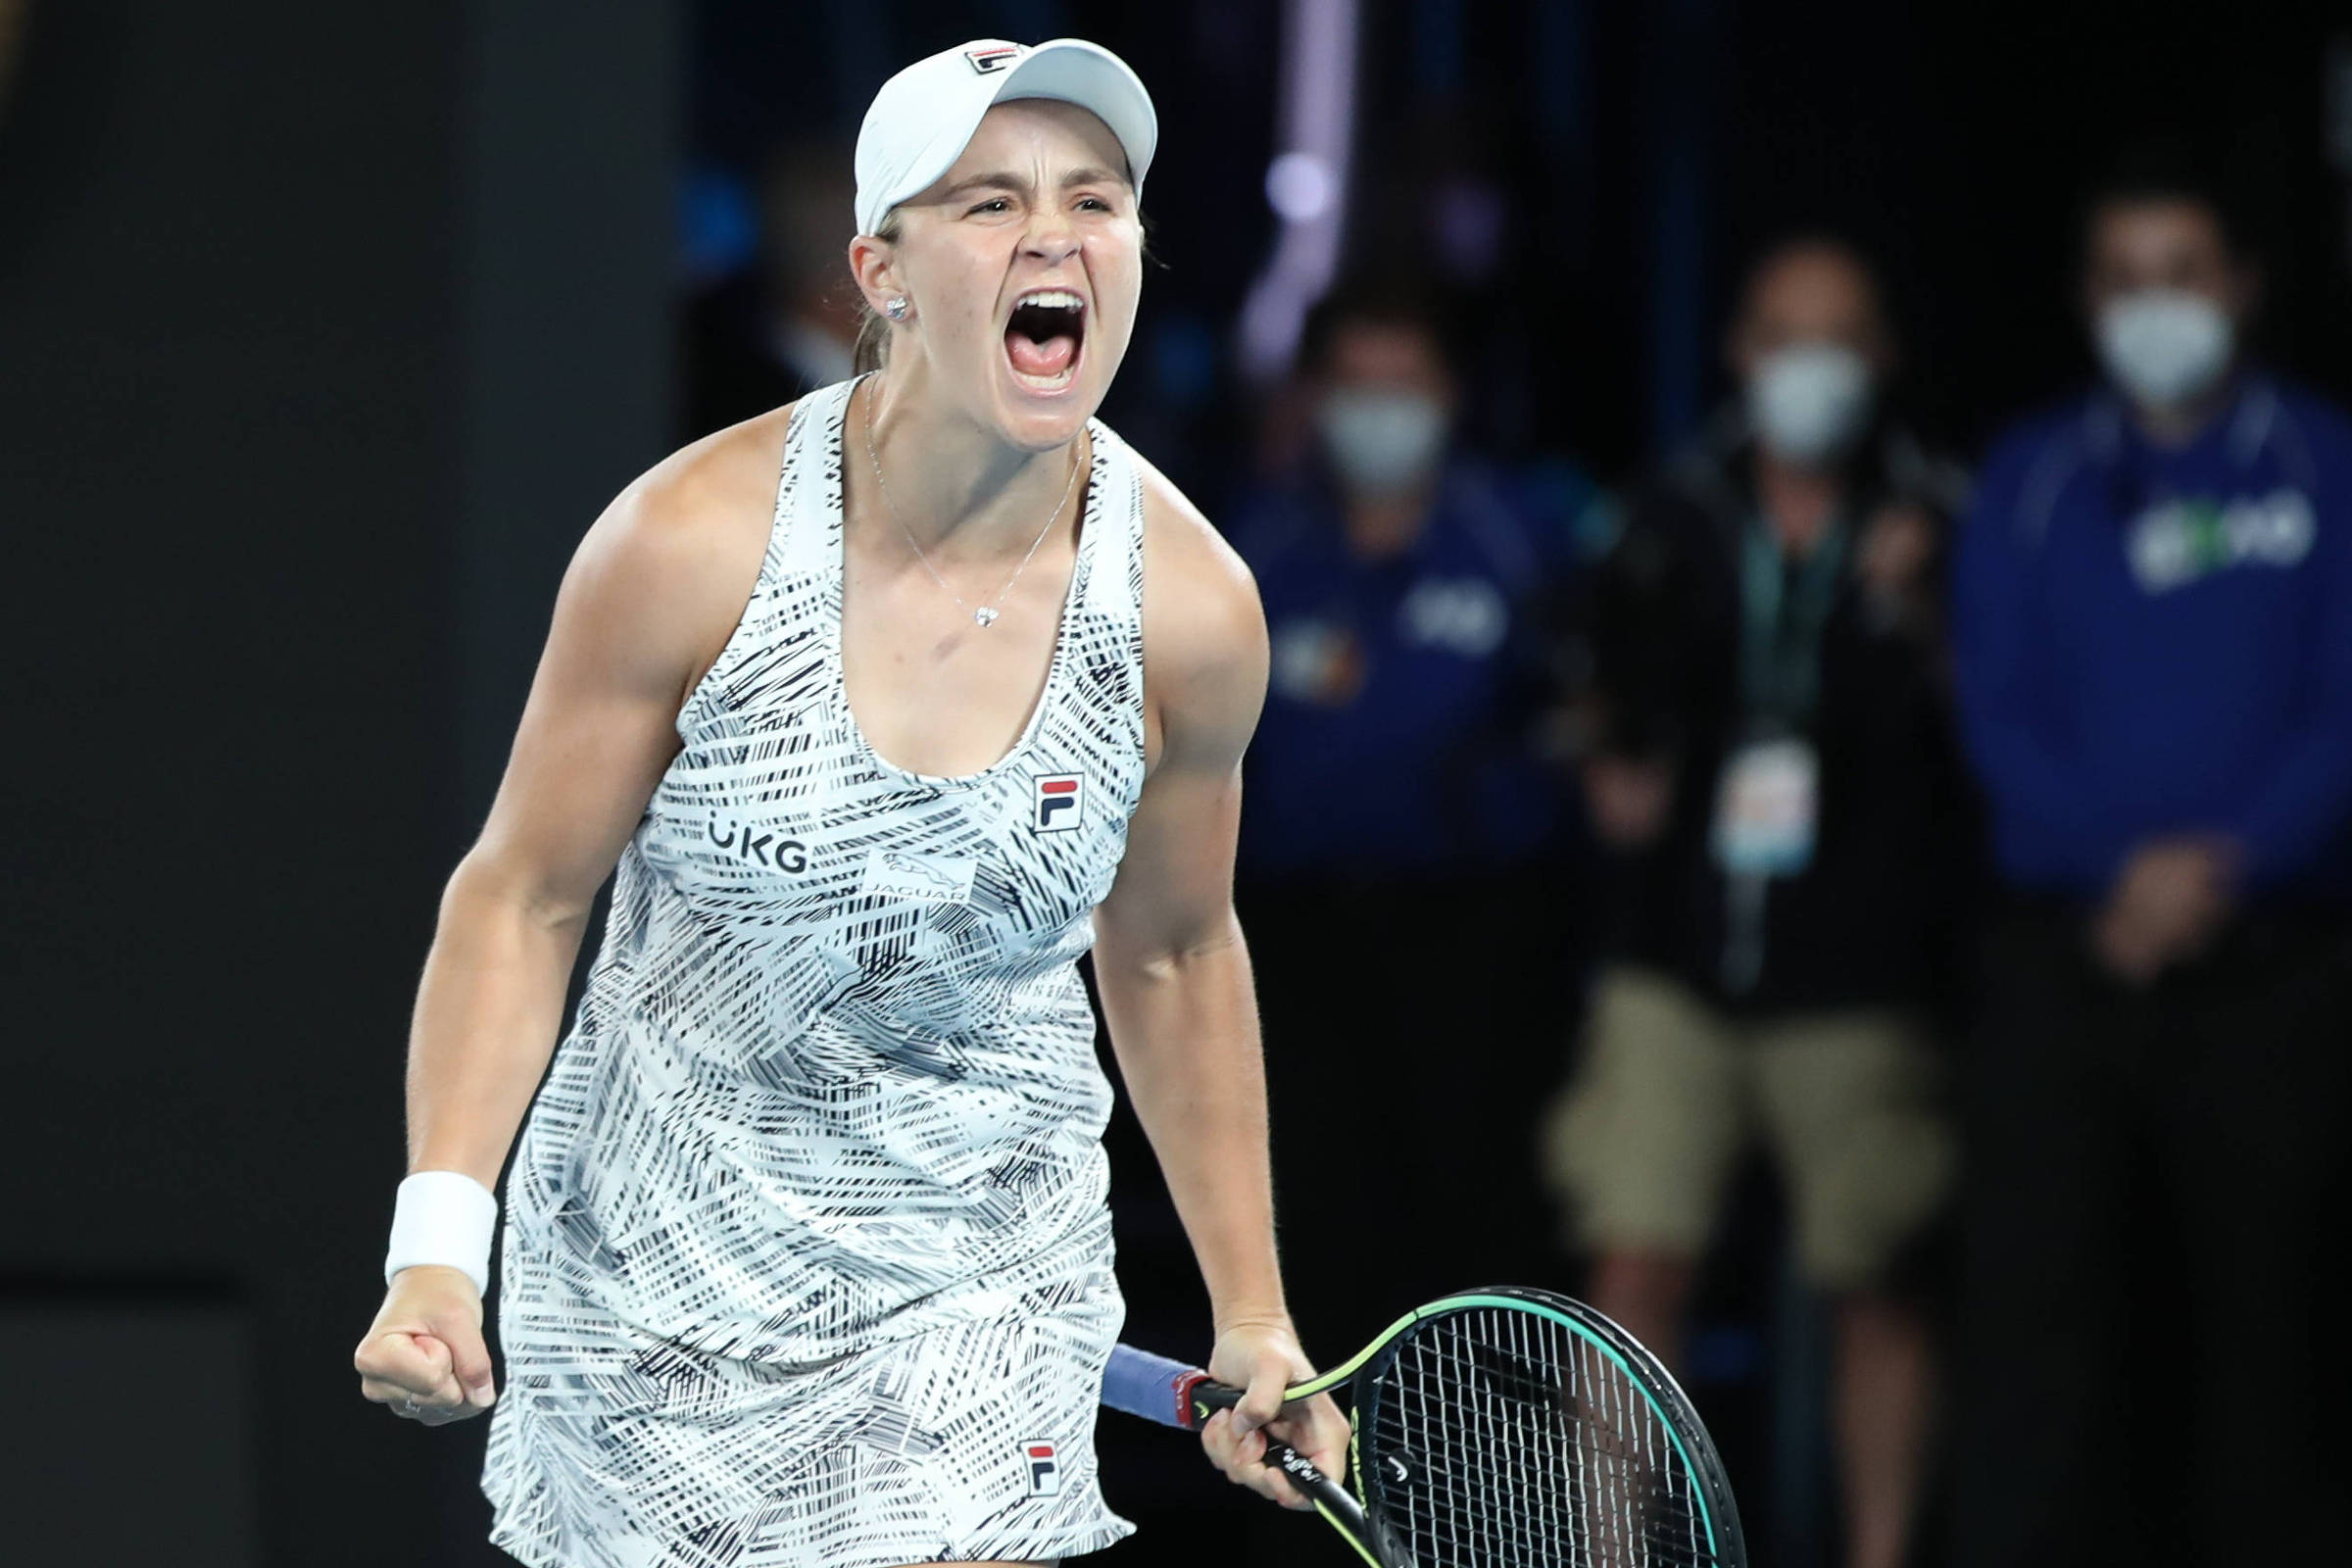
x,y
2164,346
1382,440
1810,402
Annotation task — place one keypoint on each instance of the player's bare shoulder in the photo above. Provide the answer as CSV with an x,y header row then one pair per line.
x,y
1204,631
665,573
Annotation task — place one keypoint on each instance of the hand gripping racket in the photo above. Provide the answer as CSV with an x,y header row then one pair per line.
x,y
1500,1428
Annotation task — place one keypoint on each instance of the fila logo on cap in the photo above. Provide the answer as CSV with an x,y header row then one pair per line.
x,y
1044,1471
1057,807
988,62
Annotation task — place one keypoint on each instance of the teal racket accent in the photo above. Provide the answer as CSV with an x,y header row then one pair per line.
x,y
1497,1428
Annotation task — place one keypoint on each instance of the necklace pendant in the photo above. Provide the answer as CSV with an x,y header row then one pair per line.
x,y
985,616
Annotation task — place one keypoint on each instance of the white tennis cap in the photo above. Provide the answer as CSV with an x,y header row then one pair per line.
x,y
920,121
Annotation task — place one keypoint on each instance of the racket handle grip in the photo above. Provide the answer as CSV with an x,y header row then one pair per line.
x,y
1158,1389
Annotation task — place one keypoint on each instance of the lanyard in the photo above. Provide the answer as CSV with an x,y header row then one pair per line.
x,y
1783,605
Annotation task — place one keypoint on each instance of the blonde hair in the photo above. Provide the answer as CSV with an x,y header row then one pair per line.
x,y
874,327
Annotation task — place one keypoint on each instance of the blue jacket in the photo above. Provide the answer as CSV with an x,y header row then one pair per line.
x,y
2154,641
1396,735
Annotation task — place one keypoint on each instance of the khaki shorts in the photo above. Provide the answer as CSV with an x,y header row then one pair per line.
x,y
1643,1143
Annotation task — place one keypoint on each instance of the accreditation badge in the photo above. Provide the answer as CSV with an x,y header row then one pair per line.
x,y
1767,807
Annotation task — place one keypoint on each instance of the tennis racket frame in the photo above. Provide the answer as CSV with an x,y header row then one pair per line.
x,y
1196,1397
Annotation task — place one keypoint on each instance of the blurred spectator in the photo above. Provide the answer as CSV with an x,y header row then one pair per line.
x,y
1403,859
1404,582
2153,625
790,326
1771,759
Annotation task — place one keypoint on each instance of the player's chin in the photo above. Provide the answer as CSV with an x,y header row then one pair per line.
x,y
1041,413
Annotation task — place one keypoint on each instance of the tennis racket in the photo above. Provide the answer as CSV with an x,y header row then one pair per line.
x,y
1500,1428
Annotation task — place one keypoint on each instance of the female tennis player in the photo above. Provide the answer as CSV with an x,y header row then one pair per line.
x,y
807,1256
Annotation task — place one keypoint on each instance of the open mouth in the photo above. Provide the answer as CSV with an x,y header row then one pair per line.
x,y
1042,338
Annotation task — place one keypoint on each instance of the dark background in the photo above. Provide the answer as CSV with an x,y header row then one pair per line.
x,y
325,331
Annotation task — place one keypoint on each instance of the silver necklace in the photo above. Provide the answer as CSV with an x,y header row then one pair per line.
x,y
983,614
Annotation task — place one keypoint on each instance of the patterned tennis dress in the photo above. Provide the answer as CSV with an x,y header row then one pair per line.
x,y
807,1258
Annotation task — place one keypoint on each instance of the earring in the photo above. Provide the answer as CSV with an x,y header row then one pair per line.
x,y
895,306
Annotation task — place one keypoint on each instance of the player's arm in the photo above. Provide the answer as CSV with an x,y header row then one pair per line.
x,y
1175,975
651,595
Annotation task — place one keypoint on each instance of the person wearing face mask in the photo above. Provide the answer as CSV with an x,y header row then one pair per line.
x,y
1404,579
1769,763
1397,782
2153,638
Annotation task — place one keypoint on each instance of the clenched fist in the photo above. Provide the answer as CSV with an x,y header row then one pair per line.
x,y
424,1355
1264,1359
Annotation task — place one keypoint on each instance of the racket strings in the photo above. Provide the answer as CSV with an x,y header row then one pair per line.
x,y
1500,1437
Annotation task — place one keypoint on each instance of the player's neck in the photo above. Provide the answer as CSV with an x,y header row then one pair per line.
x,y
951,483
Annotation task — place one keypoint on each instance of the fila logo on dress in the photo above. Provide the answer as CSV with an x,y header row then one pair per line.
x,y
1044,1471
988,62
1058,804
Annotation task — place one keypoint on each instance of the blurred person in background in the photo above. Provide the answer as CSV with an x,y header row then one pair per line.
x,y
2153,635
1403,848
1771,765
1405,580
788,325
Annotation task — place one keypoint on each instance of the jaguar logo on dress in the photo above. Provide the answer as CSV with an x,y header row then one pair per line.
x,y
924,878
1059,802
1044,1471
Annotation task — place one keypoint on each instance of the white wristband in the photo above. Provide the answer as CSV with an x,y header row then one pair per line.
x,y
446,1218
